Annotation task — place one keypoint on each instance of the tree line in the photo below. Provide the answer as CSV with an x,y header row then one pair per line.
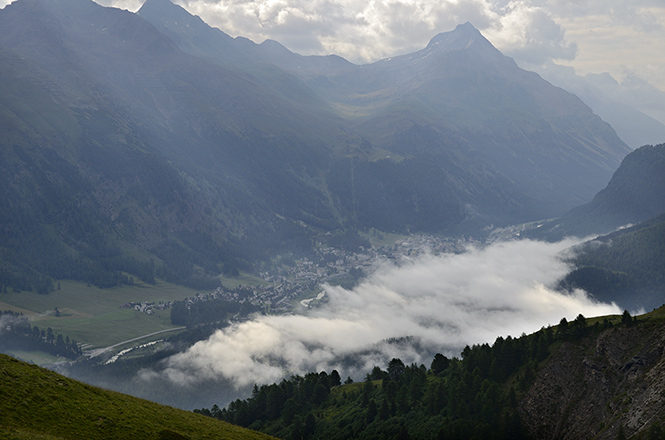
x,y
473,396
626,264
17,334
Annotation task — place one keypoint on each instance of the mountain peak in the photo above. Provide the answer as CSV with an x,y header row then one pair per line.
x,y
178,24
164,8
466,28
464,36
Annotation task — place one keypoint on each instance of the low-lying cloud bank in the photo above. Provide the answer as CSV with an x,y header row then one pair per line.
x,y
442,303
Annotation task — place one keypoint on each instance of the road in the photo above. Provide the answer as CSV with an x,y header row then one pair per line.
x,y
98,351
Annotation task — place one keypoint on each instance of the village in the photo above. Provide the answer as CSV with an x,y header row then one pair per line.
x,y
286,289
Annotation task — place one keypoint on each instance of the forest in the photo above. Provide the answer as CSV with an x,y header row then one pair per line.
x,y
471,397
626,266
17,334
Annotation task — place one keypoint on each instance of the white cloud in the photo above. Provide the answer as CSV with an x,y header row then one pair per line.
x,y
530,34
359,31
442,302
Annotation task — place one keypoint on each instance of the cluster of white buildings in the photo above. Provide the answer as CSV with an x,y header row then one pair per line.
x,y
284,287
147,307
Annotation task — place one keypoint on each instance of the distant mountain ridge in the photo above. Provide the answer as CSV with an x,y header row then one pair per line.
x,y
451,111
151,144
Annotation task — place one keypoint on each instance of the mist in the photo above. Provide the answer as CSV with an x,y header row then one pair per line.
x,y
409,310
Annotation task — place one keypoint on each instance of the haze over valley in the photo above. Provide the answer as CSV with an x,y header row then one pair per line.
x,y
185,214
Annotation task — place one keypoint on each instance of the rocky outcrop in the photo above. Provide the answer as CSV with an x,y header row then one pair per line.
x,y
599,386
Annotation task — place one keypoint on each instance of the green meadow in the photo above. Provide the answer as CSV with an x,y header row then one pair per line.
x,y
94,316
39,404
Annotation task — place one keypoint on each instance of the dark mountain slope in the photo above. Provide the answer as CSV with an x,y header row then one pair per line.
x,y
580,380
504,142
38,403
206,153
634,194
627,266
117,139
605,387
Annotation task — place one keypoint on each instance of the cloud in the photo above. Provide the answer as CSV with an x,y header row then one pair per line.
x,y
130,5
7,321
442,303
359,31
531,34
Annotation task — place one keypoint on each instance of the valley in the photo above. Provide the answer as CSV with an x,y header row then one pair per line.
x,y
107,320
438,244
186,153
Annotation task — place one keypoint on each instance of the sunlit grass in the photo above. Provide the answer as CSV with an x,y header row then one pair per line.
x,y
39,404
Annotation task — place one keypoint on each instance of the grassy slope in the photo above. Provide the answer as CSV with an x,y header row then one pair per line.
x,y
38,403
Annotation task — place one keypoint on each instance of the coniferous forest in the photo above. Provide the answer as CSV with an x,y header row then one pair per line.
x,y
471,397
18,334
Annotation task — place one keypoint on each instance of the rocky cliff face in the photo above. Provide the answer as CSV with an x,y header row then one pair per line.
x,y
600,387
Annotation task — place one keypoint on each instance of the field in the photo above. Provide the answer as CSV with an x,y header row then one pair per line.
x,y
381,239
94,316
34,357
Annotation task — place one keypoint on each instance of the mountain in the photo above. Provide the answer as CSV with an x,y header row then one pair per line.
x,y
634,194
196,37
122,148
505,143
37,403
626,267
606,386
152,145
478,112
634,127
579,380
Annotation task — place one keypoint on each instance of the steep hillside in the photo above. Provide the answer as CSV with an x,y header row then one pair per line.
x,y
152,145
633,195
37,403
626,267
123,148
601,387
582,379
